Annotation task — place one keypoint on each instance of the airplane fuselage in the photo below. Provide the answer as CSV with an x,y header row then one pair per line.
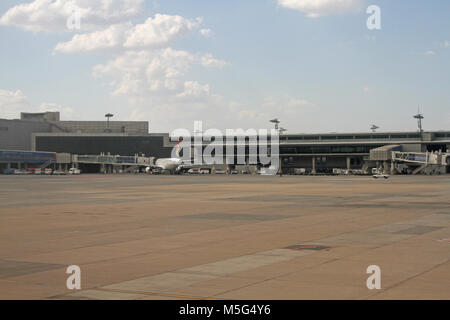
x,y
168,163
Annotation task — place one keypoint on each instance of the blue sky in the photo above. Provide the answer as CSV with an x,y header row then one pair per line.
x,y
241,64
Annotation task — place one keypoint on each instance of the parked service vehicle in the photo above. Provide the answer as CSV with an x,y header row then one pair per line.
x,y
378,174
270,171
299,171
21,172
34,171
74,171
58,173
8,171
381,175
221,171
194,171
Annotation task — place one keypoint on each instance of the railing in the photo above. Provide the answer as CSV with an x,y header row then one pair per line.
x,y
415,157
46,164
107,159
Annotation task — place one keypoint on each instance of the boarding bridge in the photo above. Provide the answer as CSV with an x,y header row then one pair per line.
x,y
420,162
114,163
413,157
105,159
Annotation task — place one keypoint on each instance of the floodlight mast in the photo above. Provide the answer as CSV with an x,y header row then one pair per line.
x,y
276,122
108,115
374,128
280,131
419,116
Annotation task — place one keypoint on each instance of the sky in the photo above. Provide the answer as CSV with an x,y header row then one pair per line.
x,y
313,64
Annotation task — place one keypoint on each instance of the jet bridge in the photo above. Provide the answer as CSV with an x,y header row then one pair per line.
x,y
420,162
113,163
391,159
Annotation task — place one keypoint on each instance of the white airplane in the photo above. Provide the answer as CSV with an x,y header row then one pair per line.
x,y
167,164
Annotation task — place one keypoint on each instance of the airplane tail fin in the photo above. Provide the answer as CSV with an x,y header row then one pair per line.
x,y
178,148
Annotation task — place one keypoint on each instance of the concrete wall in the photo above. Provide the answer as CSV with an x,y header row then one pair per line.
x,y
63,158
94,144
132,127
16,134
40,116
413,147
323,162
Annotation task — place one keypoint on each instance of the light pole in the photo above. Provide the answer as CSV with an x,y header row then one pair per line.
x,y
276,122
419,116
108,115
280,131
374,128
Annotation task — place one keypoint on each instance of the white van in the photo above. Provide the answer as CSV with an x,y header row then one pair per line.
x,y
74,171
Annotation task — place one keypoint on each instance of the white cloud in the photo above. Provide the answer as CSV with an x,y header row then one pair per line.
x,y
112,37
157,32
52,15
195,102
285,104
144,68
317,8
14,102
199,103
142,72
195,90
207,33
446,44
148,73
66,112
209,61
156,72
292,111
429,53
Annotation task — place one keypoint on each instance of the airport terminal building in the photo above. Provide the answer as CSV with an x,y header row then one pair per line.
x,y
317,153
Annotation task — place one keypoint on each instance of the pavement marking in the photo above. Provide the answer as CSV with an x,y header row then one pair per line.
x,y
161,294
105,295
307,247
120,294
162,283
418,230
3,280
12,268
